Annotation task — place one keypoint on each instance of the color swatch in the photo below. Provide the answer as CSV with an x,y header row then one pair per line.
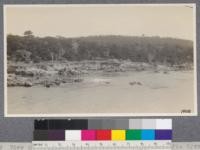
x,y
148,134
73,135
133,134
118,135
88,135
106,130
163,134
104,135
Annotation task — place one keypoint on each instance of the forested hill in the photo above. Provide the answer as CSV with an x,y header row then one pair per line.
x,y
138,49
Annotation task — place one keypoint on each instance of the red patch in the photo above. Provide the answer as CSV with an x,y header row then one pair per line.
x,y
103,134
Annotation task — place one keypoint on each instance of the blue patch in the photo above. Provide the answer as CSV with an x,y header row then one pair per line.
x,y
148,134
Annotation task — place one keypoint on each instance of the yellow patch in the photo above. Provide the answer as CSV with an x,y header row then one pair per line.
x,y
118,135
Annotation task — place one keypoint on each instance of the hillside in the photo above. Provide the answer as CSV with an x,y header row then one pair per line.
x,y
137,49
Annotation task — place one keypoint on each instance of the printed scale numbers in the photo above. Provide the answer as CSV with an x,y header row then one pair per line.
x,y
102,145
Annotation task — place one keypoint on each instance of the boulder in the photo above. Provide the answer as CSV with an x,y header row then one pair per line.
x,y
28,84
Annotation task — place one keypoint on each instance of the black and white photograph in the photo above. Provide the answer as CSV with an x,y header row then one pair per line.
x,y
100,60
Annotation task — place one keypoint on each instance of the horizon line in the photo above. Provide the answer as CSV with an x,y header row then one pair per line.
x,y
106,35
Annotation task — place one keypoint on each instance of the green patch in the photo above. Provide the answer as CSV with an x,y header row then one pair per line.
x,y
133,134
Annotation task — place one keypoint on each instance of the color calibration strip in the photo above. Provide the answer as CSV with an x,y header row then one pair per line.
x,y
103,130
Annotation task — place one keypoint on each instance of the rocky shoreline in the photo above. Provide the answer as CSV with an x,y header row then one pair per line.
x,y
50,74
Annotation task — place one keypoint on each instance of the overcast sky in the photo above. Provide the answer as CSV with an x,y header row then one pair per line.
x,y
83,20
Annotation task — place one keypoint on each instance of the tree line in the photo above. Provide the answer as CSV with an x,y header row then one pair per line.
x,y
28,48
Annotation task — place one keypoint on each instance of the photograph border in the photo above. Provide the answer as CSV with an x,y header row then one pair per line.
x,y
195,113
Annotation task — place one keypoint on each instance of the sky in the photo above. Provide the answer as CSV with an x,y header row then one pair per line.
x,y
176,21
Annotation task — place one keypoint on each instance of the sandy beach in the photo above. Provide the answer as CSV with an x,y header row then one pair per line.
x,y
158,93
